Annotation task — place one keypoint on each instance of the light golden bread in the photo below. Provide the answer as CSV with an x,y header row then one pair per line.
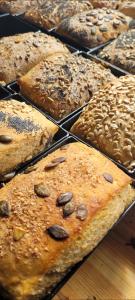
x,y
51,13
31,260
94,27
24,132
61,84
121,52
19,53
109,121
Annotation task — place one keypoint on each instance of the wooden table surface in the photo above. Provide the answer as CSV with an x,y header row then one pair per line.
x,y
109,273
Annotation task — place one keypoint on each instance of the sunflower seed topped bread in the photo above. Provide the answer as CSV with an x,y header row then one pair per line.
x,y
105,3
24,132
61,84
128,8
19,53
55,215
109,121
51,13
95,27
18,6
121,52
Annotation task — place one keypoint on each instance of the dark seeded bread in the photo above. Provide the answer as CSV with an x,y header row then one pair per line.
x,y
19,53
121,52
24,132
51,13
94,27
109,121
38,244
62,84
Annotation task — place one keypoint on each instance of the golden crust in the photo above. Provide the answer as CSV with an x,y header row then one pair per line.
x,y
18,6
61,84
109,121
29,130
36,261
19,53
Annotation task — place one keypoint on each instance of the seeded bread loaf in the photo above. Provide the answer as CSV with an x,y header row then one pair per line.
x,y
105,3
55,215
121,52
109,121
18,6
19,53
62,84
95,27
51,13
128,8
24,132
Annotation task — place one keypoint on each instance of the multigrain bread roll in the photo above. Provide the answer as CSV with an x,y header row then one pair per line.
x,y
19,53
24,132
62,84
55,215
18,6
109,121
95,27
51,13
121,52
128,8
105,3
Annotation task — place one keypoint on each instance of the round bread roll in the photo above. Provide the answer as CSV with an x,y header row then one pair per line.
x,y
109,121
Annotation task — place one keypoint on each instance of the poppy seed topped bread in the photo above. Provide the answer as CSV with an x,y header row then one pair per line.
x,y
24,132
55,215
63,83
121,52
51,13
19,53
95,27
108,121
18,6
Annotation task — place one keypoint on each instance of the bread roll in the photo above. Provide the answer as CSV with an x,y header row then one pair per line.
x,y
18,6
95,27
128,8
55,215
109,121
24,132
19,53
61,84
105,3
121,52
51,13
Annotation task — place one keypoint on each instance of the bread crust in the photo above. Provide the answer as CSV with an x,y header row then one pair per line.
x,y
51,13
95,27
19,53
29,130
61,84
105,3
109,119
18,6
36,261
128,8
121,52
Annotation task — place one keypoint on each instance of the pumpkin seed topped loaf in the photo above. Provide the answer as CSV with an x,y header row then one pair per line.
x,y
55,215
19,53
24,133
121,52
62,83
94,27
108,121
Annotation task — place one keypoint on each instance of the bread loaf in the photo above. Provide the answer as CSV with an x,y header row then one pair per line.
x,y
24,132
55,215
105,3
128,8
121,52
95,27
51,13
109,121
61,84
18,6
19,53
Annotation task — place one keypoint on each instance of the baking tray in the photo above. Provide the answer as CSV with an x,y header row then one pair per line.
x,y
10,25
73,269
4,92
67,126
59,136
